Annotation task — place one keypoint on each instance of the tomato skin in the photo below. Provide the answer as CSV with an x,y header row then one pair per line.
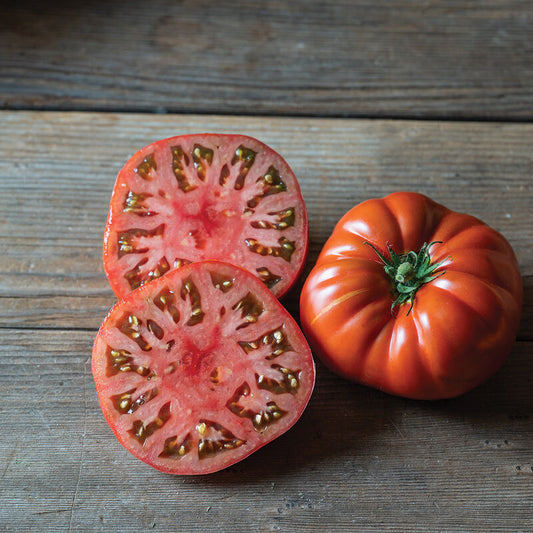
x,y
194,367
462,324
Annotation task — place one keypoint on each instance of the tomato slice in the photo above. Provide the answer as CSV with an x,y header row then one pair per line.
x,y
199,197
200,368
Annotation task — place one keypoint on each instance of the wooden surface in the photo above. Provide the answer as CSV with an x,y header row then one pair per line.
x,y
358,460
402,58
362,98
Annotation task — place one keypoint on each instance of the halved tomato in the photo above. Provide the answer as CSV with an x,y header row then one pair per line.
x,y
200,368
207,196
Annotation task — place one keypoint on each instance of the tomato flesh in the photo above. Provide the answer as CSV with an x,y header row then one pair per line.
x,y
199,197
200,368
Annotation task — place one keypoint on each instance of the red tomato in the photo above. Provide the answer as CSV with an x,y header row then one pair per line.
x,y
198,197
200,368
435,321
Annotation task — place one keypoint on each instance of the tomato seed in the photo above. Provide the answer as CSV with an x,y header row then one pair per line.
x,y
178,155
155,329
246,157
224,174
147,168
271,184
267,277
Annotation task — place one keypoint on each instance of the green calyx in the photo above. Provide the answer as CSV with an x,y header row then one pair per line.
x,y
409,272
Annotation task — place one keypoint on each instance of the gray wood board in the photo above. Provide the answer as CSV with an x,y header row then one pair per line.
x,y
358,460
344,58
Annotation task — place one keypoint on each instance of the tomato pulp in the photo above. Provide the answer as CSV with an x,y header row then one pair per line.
x,y
207,196
201,367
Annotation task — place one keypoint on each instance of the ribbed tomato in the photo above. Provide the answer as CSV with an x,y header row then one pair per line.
x,y
198,197
201,367
412,298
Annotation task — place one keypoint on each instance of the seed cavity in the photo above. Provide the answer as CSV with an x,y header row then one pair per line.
x,y
134,203
284,250
275,339
130,325
125,403
171,368
221,282
168,346
128,240
155,329
190,291
267,277
160,269
122,361
166,301
246,157
260,419
289,381
282,220
251,309
224,175
214,438
175,449
199,240
179,160
134,276
146,170
216,375
181,262
201,155
271,183
142,431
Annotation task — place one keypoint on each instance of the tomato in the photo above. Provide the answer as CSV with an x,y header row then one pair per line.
x,y
412,298
200,368
197,197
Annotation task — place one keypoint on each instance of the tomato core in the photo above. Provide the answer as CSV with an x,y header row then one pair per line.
x,y
194,361
207,220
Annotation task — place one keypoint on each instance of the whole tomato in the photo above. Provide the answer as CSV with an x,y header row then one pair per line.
x,y
412,298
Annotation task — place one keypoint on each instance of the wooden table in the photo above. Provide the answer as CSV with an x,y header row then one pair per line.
x,y
362,99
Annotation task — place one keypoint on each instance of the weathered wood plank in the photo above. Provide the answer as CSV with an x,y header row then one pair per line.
x,y
344,58
57,171
357,461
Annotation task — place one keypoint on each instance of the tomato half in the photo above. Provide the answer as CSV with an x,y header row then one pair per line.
x,y
198,197
201,367
412,298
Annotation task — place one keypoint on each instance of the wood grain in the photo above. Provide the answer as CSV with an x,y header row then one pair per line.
x,y
358,460
440,59
57,171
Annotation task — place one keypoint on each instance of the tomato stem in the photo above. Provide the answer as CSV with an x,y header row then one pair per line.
x,y
409,272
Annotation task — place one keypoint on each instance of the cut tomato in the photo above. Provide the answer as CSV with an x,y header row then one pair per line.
x,y
200,197
200,368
